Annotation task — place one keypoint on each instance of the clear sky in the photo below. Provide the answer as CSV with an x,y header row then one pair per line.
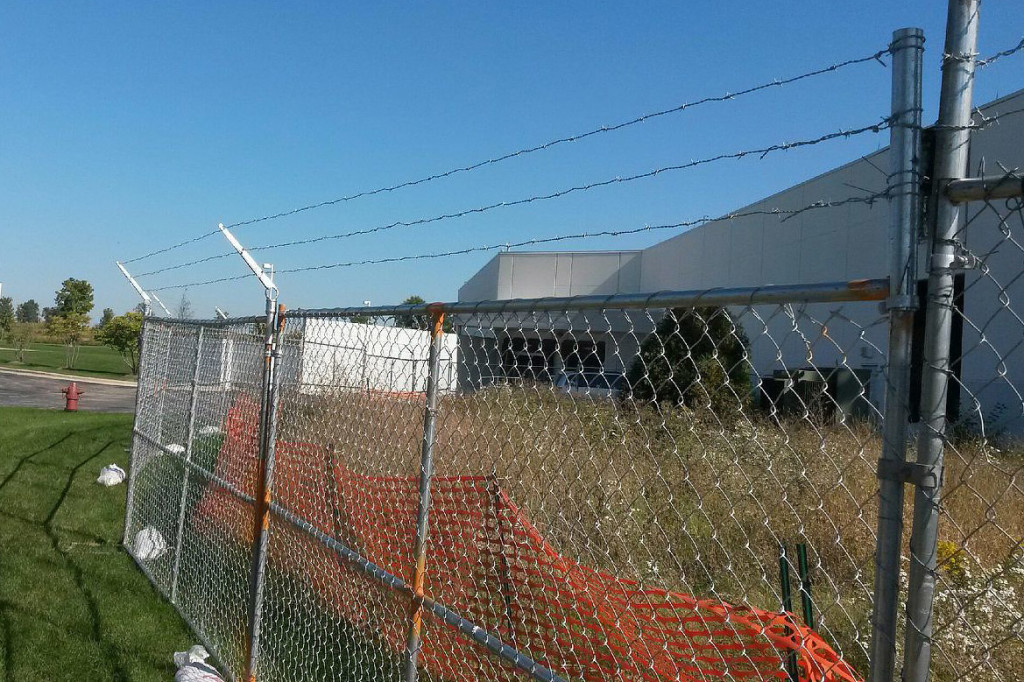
x,y
125,127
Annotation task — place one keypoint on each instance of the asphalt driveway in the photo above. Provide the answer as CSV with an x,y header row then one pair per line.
x,y
25,390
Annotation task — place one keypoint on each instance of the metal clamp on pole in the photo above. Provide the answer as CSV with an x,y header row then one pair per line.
x,y
918,475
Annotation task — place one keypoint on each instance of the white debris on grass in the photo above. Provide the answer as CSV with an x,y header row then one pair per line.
x,y
192,666
176,448
111,475
210,430
149,544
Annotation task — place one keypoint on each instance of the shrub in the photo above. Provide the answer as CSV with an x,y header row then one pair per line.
x,y
696,357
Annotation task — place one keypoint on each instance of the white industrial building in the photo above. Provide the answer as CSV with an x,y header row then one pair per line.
x,y
837,243
338,354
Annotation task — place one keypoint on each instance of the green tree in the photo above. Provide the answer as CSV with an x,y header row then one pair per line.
x,y
418,320
696,357
122,334
69,329
108,315
20,336
6,315
28,311
74,297
413,321
49,313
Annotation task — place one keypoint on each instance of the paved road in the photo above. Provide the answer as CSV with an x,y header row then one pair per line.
x,y
23,390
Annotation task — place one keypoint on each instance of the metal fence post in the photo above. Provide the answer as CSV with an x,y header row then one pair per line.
x,y
905,214
414,640
264,481
139,388
951,148
189,438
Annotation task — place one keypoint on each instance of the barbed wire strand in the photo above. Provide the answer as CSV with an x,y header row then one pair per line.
x,y
728,96
817,205
999,55
761,152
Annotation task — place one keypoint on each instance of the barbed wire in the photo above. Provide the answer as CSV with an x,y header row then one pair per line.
x,y
817,205
728,96
999,55
985,121
761,152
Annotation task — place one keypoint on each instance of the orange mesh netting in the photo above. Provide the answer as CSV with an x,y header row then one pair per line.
x,y
489,563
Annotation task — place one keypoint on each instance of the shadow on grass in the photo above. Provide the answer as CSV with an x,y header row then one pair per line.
x,y
120,673
27,458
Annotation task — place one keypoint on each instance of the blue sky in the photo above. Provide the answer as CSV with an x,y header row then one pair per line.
x,y
125,127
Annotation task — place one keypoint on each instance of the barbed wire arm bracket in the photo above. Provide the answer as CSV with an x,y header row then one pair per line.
x,y
258,270
147,298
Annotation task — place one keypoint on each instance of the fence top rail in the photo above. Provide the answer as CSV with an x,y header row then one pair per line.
x,y
219,322
854,290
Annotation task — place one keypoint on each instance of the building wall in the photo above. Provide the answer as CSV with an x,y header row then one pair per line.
x,y
341,355
516,274
832,243
993,341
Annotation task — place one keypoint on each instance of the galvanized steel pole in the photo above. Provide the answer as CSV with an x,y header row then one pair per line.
x,y
189,438
414,640
904,221
952,141
264,482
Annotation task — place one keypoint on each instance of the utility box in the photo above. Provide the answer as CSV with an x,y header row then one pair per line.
x,y
825,395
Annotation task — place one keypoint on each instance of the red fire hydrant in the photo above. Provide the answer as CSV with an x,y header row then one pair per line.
x,y
71,396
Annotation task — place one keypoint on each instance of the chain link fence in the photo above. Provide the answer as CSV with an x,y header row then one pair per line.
x,y
979,562
685,485
611,484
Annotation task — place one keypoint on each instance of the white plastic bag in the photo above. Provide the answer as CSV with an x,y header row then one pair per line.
x,y
209,430
111,475
197,672
176,448
192,666
197,654
150,544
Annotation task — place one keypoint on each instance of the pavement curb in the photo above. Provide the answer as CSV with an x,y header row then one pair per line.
x,y
69,377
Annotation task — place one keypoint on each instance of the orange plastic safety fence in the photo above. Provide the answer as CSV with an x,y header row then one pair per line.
x,y
488,562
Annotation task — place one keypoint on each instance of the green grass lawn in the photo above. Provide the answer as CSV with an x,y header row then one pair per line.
x,y
96,361
73,606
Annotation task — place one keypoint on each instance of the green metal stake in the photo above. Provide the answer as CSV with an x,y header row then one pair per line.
x,y
787,606
805,585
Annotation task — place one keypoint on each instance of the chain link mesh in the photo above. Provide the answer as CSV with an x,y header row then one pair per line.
x,y
610,492
979,618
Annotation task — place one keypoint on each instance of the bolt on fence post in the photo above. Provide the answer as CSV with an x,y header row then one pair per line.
x,y
189,438
414,640
907,48
264,481
952,140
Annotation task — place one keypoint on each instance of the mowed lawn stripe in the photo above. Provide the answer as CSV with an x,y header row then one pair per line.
x,y
73,605
98,361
